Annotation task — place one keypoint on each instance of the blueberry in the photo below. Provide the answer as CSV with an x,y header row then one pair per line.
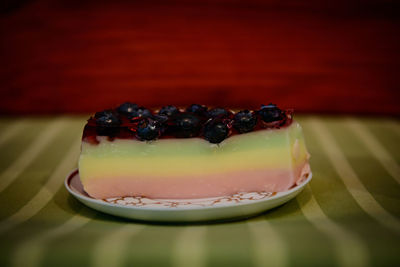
x,y
215,131
140,112
270,113
197,109
160,118
186,125
270,105
107,118
217,112
127,108
107,123
168,111
148,129
244,121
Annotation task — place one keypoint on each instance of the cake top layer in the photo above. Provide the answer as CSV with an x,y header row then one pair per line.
x,y
129,121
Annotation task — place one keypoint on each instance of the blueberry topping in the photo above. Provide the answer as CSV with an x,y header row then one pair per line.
x,y
130,120
127,108
244,121
197,109
186,125
215,131
217,112
168,111
148,129
270,113
107,118
140,112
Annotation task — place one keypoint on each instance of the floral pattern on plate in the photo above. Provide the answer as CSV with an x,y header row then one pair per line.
x,y
244,197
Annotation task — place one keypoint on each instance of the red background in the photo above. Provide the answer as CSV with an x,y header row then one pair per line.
x,y
83,56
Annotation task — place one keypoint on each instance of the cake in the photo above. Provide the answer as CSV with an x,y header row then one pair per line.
x,y
195,152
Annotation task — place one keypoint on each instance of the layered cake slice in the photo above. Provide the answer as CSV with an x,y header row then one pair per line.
x,y
192,153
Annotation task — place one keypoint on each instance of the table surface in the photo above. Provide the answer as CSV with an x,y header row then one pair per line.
x,y
349,215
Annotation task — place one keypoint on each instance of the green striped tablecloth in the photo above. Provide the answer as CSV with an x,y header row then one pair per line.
x,y
348,216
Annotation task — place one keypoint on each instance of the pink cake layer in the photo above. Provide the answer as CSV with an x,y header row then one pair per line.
x,y
197,186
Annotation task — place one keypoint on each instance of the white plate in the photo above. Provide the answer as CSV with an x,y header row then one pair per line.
x,y
185,210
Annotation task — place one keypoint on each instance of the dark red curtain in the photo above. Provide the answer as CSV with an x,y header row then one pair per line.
x,y
314,56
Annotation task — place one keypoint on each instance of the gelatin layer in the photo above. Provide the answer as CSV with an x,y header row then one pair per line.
x,y
195,186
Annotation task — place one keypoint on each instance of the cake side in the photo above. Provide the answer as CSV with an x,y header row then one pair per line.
x,y
265,160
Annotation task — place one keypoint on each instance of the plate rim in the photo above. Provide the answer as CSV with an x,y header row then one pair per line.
x,y
278,195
